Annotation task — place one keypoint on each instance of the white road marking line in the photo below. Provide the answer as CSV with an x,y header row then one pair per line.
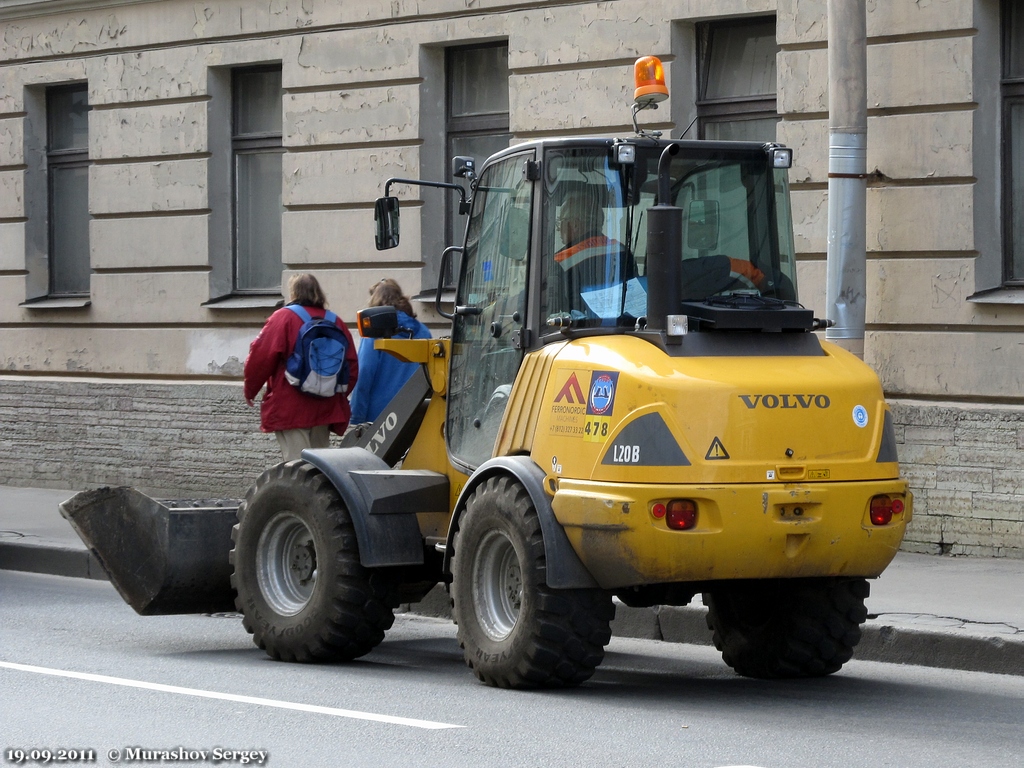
x,y
353,714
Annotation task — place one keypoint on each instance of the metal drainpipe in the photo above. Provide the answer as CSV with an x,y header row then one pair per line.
x,y
847,173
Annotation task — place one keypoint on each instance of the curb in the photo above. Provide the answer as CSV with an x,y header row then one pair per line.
x,y
51,559
882,639
945,650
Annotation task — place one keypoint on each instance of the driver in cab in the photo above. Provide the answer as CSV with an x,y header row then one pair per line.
x,y
586,251
593,266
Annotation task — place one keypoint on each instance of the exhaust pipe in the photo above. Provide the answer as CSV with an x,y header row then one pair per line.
x,y
664,245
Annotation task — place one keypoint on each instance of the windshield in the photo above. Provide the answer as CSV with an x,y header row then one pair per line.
x,y
737,230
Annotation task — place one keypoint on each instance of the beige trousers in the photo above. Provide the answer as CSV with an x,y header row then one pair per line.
x,y
292,441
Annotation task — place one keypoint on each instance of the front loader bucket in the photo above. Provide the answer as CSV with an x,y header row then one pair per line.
x,y
162,556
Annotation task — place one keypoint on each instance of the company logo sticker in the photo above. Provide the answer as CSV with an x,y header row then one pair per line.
x,y
786,401
602,393
569,408
571,391
860,416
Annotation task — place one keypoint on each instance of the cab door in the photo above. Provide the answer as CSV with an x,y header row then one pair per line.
x,y
490,313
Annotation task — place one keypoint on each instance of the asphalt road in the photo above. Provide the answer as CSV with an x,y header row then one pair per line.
x,y
79,670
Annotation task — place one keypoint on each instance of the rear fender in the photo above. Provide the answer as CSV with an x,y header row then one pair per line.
x,y
382,502
564,568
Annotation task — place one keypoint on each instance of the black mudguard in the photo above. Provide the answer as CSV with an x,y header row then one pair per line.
x,y
382,502
162,556
565,570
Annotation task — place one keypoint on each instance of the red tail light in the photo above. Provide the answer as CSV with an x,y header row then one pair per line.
x,y
881,510
681,514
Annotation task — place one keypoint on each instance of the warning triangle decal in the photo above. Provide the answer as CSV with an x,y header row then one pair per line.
x,y
716,451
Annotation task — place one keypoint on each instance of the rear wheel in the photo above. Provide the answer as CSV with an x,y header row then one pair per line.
x,y
302,591
515,631
779,628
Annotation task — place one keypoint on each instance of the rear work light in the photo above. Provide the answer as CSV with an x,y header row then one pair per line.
x,y
883,509
680,514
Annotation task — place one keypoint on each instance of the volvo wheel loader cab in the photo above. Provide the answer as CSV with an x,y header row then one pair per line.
x,y
631,405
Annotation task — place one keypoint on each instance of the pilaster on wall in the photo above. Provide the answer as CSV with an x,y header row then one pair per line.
x,y
932,201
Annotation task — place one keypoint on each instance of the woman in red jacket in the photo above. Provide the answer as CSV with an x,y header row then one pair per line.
x,y
299,420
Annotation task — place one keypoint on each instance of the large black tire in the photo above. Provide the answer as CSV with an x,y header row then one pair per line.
x,y
515,631
787,627
303,594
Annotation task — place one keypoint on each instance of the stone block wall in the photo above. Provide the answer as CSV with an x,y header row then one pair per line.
x,y
170,440
965,464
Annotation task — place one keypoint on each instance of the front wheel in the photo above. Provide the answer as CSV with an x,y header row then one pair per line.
x,y
777,628
515,631
301,589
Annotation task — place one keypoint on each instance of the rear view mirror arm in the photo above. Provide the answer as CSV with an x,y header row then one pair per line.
x,y
463,202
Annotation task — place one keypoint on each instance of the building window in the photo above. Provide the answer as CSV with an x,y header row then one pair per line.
x,y
476,121
737,80
1013,142
67,163
256,153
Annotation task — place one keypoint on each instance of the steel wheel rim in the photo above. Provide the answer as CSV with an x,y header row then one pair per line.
x,y
498,586
286,564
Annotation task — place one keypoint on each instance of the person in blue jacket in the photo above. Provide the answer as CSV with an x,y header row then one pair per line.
x,y
381,375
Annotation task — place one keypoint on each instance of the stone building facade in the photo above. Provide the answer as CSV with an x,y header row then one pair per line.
x,y
135,140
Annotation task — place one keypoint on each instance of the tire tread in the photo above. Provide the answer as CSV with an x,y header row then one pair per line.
x,y
358,607
812,631
569,628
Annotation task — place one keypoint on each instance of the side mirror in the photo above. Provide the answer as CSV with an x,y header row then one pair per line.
x,y
377,322
702,225
385,214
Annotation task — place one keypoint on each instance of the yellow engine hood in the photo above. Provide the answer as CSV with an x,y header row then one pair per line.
x,y
618,408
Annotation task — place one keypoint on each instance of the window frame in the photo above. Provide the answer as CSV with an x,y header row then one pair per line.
x,y
57,160
731,108
1011,93
463,127
253,143
473,337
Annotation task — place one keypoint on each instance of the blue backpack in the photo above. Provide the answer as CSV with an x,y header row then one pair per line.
x,y
317,366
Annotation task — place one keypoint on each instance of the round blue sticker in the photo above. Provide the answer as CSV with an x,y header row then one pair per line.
x,y
860,415
602,394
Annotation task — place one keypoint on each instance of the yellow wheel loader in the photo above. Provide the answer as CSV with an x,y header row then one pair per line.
x,y
631,405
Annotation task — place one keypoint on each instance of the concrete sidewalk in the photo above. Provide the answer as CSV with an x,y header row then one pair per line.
x,y
956,613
